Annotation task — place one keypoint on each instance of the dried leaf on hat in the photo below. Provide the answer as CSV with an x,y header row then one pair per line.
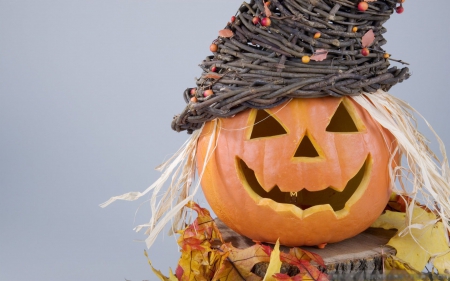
x,y
212,76
319,55
368,39
267,10
226,33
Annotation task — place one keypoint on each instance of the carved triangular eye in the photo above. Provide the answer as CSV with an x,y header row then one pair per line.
x,y
342,121
306,149
266,126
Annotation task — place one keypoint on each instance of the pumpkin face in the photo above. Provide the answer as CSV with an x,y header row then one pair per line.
x,y
308,172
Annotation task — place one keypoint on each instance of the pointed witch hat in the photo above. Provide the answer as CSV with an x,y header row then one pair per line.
x,y
273,51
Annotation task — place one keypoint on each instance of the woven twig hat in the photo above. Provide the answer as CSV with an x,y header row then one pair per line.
x,y
273,51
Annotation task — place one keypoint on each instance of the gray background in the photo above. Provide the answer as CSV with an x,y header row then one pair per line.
x,y
88,89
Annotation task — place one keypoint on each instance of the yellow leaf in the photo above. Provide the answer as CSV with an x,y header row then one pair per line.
x,y
392,263
172,277
442,264
274,264
390,220
417,245
158,273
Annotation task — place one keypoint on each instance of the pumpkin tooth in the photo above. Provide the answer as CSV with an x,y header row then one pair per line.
x,y
302,199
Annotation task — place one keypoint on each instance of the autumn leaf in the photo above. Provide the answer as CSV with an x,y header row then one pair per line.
x,y
368,39
179,271
397,203
267,10
285,277
198,260
212,76
305,255
442,264
266,248
319,55
159,274
162,277
205,257
226,33
426,237
390,220
301,259
274,264
191,244
400,203
431,240
393,263
243,261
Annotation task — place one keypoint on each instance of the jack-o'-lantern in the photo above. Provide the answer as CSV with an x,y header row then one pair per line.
x,y
293,130
308,172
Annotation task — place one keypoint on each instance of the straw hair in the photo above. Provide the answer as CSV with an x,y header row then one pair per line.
x,y
181,169
424,177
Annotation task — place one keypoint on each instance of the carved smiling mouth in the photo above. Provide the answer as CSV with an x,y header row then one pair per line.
x,y
303,198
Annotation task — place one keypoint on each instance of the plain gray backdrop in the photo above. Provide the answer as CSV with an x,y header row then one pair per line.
x,y
88,89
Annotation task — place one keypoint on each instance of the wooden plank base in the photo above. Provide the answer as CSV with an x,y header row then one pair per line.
x,y
361,255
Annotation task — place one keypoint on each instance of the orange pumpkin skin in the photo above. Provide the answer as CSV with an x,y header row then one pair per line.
x,y
341,156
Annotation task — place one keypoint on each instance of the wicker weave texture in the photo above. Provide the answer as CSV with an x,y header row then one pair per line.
x,y
261,66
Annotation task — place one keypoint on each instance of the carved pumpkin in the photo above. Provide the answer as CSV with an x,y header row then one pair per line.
x,y
310,172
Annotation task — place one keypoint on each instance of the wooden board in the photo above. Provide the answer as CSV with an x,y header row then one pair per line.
x,y
362,254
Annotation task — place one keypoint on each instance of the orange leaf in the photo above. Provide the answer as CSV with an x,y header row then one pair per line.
x,y
301,259
212,76
243,261
192,244
305,255
319,55
226,33
267,10
368,39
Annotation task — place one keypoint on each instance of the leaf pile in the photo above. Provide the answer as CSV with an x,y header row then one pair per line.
x,y
205,256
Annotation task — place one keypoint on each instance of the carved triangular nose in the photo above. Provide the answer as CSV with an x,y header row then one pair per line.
x,y
306,149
